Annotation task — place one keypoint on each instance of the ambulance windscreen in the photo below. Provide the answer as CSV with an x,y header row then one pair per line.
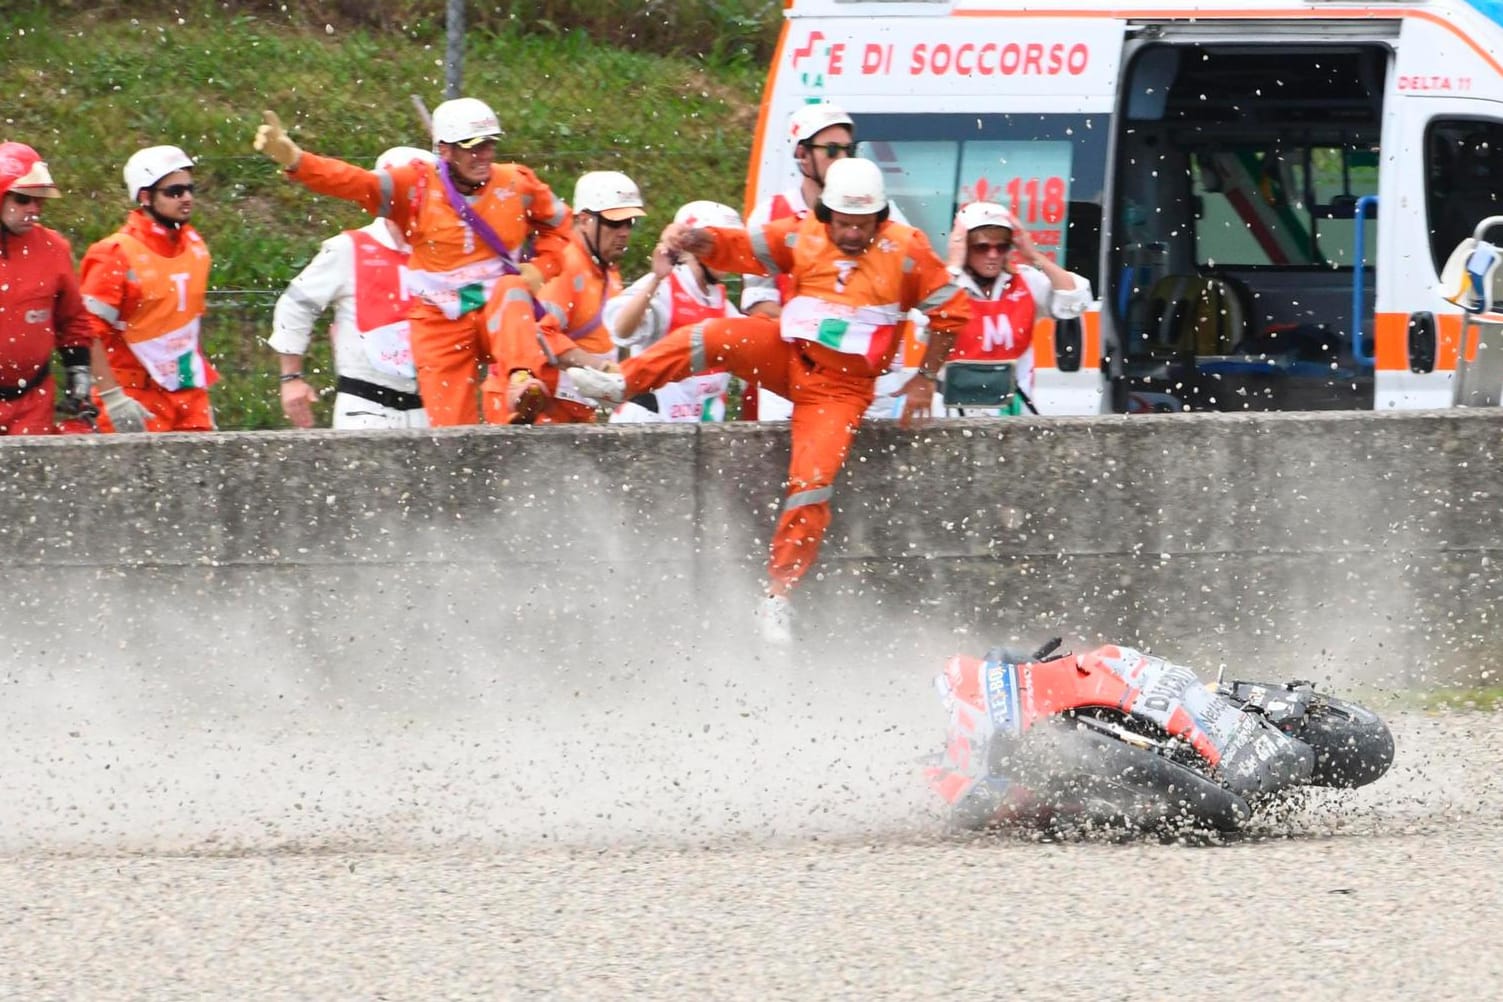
x,y
1047,169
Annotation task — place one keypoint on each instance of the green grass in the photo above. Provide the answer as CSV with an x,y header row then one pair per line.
x,y
1488,698
89,88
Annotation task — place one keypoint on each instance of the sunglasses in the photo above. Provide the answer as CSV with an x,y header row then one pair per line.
x,y
833,150
23,199
176,190
983,247
476,141
616,224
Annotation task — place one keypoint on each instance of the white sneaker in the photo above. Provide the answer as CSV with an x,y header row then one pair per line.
x,y
775,620
606,386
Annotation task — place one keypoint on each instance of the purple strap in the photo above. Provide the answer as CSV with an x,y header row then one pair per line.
x,y
594,322
482,229
587,328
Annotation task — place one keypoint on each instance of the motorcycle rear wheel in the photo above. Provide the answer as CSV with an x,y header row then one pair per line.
x,y
1137,786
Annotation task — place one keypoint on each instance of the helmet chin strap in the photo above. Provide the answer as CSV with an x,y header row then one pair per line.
x,y
592,243
811,174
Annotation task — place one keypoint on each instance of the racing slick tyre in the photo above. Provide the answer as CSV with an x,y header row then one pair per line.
x,y
1351,743
1089,771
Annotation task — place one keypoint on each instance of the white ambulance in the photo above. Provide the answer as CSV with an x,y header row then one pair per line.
x,y
1262,193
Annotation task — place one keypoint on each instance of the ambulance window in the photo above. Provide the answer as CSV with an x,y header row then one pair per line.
x,y
1334,180
1286,207
1048,169
1463,180
920,176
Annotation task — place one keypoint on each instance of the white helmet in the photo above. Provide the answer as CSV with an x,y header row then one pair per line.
x,y
979,214
465,121
400,156
608,193
146,167
855,187
812,119
705,213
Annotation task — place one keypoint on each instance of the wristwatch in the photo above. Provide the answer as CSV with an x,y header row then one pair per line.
x,y
933,377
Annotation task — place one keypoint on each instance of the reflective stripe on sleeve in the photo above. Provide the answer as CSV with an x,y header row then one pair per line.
x,y
698,361
762,253
104,311
805,498
383,178
938,297
511,295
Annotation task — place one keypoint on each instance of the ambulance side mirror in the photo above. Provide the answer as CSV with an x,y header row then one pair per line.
x,y
1068,343
1422,341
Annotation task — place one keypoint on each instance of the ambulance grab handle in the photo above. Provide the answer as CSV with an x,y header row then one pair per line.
x,y
1360,251
1486,225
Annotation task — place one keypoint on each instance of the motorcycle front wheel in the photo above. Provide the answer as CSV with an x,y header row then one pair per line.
x,y
1352,745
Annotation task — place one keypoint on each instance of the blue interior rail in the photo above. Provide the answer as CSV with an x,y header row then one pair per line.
x,y
1359,354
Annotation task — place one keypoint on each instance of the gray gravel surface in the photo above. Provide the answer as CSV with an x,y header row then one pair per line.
x,y
682,839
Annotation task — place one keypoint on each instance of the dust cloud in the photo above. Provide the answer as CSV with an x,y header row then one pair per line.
x,y
473,702
460,696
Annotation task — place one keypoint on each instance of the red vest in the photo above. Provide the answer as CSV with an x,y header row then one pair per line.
x,y
1000,330
686,309
381,296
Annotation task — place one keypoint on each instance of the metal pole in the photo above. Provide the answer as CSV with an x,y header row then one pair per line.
x,y
454,57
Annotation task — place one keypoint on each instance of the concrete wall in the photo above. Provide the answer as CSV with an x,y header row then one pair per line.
x,y
1239,538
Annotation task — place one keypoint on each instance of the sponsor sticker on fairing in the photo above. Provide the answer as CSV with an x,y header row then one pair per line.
x,y
1167,688
1001,689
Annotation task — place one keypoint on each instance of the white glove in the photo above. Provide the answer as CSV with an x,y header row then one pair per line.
x,y
273,140
126,413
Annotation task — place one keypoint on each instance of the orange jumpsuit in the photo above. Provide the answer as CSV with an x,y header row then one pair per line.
x,y
574,305
118,295
840,327
452,270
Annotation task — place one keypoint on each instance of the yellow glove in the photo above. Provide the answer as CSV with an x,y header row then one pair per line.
x,y
533,275
273,140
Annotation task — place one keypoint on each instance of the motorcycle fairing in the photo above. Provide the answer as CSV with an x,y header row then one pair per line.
x,y
1003,706
1174,698
963,764
1244,750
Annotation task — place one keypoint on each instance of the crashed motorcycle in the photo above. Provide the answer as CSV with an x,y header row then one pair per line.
x,y
1118,737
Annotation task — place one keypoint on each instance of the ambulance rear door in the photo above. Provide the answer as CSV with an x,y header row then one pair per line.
x,y
1244,212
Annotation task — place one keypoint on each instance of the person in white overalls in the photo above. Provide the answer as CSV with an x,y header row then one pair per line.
x,y
361,273
678,292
